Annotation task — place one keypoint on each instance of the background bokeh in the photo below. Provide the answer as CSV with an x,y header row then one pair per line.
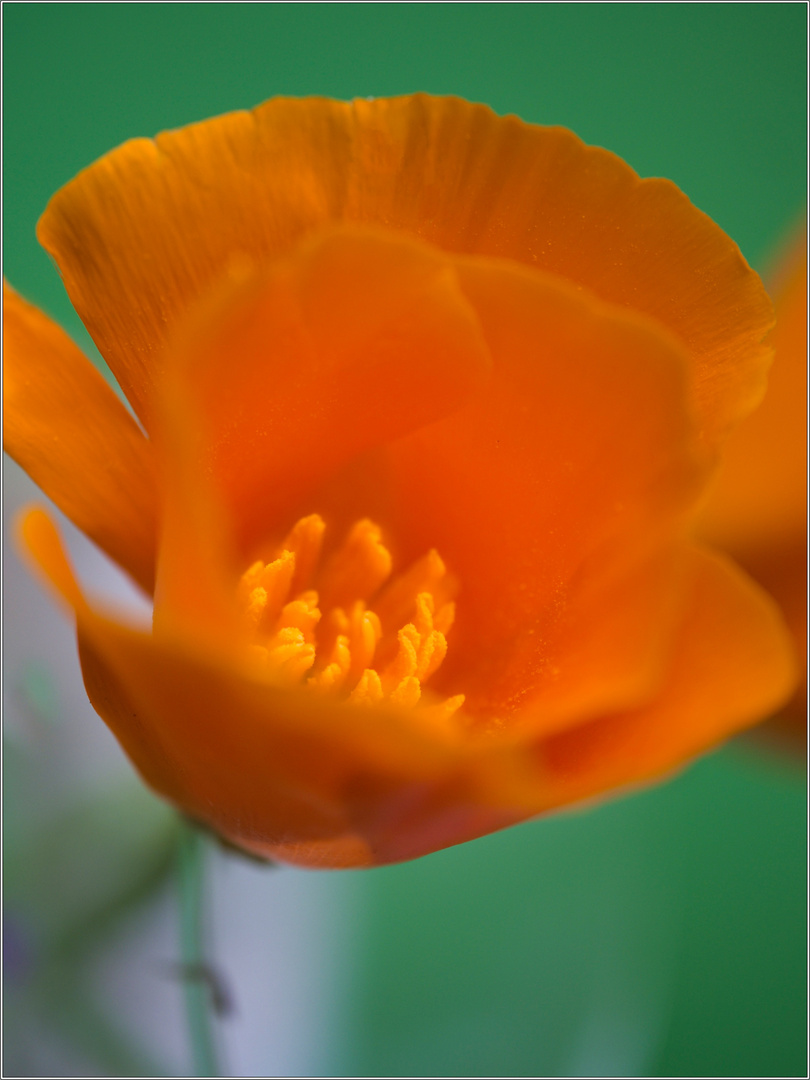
x,y
659,934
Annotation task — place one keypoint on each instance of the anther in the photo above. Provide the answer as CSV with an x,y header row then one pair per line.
x,y
358,570
361,637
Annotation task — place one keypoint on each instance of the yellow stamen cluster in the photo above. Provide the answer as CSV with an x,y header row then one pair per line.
x,y
325,637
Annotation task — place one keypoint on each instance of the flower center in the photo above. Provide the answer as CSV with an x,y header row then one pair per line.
x,y
311,624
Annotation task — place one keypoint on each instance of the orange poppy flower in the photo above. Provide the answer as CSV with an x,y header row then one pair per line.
x,y
758,506
427,400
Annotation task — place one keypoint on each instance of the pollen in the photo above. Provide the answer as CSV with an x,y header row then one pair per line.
x,y
346,625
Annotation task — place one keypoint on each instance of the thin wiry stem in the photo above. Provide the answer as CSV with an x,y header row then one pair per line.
x,y
191,874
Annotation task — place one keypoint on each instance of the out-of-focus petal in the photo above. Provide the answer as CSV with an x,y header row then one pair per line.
x,y
733,664
452,173
783,572
65,426
42,543
757,509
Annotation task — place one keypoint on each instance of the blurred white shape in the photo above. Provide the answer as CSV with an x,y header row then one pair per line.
x,y
281,940
627,1008
618,1037
286,939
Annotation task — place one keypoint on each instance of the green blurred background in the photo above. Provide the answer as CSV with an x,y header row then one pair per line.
x,y
661,934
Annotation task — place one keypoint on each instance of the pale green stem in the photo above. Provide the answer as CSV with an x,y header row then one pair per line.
x,y
191,874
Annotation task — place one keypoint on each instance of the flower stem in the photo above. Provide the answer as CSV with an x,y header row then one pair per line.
x,y
191,874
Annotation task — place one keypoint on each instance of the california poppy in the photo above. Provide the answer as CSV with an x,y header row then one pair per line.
x,y
426,402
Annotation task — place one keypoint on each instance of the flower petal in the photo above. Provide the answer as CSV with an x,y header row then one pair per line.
x,y
734,663
148,229
555,496
359,337
65,426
